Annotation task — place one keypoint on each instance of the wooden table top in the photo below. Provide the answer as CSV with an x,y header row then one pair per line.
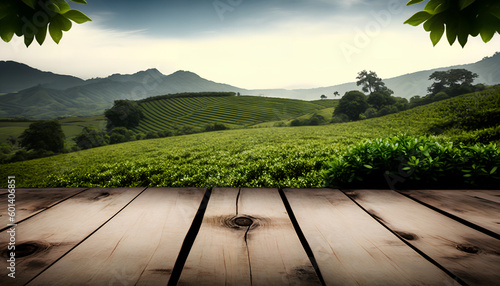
x,y
249,236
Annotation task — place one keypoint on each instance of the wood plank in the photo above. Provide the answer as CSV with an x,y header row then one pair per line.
x,y
352,248
480,207
268,252
29,202
137,247
3,191
472,256
44,238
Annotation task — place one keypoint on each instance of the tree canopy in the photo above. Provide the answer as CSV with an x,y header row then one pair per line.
x,y
352,104
43,136
460,19
32,19
124,113
453,81
372,83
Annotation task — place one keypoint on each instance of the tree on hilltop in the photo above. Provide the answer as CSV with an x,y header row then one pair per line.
x,y
372,83
453,82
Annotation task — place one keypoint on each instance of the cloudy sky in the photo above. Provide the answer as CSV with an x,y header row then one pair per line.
x,y
247,43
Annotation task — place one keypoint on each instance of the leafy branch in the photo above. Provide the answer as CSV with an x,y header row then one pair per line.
x,y
460,18
32,19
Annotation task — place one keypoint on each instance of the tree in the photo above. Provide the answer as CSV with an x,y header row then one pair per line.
x,y
90,138
32,18
461,19
371,82
353,103
336,93
453,82
380,99
124,113
323,96
43,136
120,135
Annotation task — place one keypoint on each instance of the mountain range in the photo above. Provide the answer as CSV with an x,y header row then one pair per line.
x,y
29,92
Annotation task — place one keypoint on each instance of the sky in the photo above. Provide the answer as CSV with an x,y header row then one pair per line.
x,y
252,44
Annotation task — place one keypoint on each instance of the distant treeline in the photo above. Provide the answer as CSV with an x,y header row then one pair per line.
x,y
188,95
20,119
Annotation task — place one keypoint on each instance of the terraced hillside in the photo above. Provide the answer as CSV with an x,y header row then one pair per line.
x,y
254,157
232,111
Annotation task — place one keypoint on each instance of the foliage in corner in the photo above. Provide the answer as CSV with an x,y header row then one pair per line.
x,y
460,18
32,19
405,162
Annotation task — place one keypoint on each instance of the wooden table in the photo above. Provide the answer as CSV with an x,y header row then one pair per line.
x,y
251,236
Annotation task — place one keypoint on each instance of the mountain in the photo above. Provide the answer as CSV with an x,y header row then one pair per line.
x,y
38,94
16,76
405,86
42,100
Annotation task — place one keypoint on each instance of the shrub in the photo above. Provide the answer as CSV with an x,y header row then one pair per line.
x,y
403,162
215,127
340,118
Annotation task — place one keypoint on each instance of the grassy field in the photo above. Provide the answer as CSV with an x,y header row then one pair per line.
x,y
255,157
71,126
232,111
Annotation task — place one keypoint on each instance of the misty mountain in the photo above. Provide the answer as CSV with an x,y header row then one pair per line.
x,y
38,94
16,76
406,86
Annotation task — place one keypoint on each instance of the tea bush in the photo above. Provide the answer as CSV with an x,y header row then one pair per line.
x,y
403,162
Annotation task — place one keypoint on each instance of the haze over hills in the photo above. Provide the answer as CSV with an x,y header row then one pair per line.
x,y
16,76
38,94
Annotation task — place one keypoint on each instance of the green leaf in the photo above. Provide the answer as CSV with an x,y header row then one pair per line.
x,y
418,18
487,33
41,35
437,32
463,34
413,2
7,27
77,16
464,3
493,170
63,6
451,32
61,22
30,3
55,32
79,1
368,166
28,39
53,7
434,6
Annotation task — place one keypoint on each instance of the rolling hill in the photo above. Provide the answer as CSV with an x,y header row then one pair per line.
x,y
253,157
233,111
65,96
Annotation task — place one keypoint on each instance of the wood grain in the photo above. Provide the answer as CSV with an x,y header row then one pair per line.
x,y
44,238
480,207
29,202
472,256
352,248
268,252
137,247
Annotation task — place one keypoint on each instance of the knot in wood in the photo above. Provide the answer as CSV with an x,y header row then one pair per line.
x,y
243,221
467,248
